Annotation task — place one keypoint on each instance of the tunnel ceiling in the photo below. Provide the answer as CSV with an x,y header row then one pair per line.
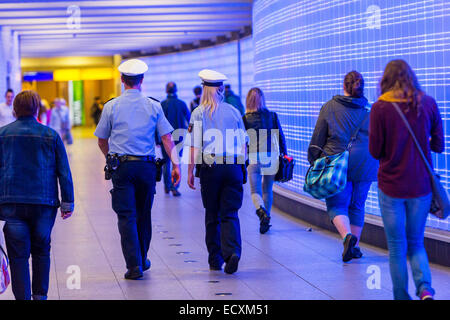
x,y
73,28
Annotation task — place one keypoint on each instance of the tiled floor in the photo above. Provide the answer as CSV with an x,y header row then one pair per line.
x,y
289,262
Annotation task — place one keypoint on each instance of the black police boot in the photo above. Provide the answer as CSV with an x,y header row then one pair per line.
x,y
232,264
216,267
134,273
264,220
147,265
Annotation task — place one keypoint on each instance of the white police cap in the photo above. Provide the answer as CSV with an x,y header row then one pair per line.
x,y
133,67
212,78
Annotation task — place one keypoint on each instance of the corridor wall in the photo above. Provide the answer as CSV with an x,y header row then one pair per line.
x,y
303,49
234,59
10,75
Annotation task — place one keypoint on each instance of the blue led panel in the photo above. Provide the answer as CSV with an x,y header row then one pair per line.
x,y
183,68
303,49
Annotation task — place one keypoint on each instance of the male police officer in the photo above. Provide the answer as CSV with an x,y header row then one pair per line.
x,y
129,122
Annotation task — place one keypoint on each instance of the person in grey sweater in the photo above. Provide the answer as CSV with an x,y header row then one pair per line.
x,y
338,120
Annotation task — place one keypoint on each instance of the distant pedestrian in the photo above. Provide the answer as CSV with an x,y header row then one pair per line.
x,y
196,102
233,99
6,109
58,119
96,110
178,116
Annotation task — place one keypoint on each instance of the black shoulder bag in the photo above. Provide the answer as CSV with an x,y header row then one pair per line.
x,y
286,164
440,205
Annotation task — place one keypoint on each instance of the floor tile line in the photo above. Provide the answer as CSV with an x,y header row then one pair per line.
x,y
103,250
173,273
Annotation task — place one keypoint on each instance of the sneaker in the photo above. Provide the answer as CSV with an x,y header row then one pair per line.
x,y
357,254
232,264
264,220
426,295
166,190
176,193
349,244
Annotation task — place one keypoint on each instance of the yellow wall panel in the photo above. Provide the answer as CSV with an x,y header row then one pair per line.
x,y
67,75
97,74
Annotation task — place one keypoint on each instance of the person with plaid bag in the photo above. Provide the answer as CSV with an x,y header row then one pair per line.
x,y
339,120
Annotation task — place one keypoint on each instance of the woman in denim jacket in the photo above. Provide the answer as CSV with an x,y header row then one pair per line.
x,y
32,162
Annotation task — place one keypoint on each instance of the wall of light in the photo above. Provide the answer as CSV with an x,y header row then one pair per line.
x,y
10,74
183,69
303,49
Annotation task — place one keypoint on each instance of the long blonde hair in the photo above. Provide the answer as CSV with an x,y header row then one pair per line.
x,y
211,98
255,100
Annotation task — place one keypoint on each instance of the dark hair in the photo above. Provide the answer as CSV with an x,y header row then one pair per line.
x,y
132,81
27,103
8,91
354,84
97,98
171,88
198,90
228,86
399,77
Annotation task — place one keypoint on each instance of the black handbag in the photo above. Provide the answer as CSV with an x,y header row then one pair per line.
x,y
286,164
285,169
440,205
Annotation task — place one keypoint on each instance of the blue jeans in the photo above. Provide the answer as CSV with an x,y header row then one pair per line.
x,y
404,224
166,171
261,187
350,202
27,231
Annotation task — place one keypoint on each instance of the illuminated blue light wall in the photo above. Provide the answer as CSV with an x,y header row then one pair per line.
x,y
183,69
303,49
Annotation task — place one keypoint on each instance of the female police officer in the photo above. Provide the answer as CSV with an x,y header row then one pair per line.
x,y
221,169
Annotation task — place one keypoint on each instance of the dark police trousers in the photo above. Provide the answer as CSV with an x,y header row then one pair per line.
x,y
132,198
222,194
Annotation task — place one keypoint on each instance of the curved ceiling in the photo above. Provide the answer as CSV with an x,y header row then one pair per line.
x,y
76,28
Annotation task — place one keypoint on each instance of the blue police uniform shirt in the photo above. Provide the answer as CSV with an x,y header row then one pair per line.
x,y
223,134
129,122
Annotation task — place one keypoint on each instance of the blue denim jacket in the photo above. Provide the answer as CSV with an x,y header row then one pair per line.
x,y
32,160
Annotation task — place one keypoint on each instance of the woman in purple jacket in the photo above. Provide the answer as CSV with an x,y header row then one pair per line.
x,y
403,181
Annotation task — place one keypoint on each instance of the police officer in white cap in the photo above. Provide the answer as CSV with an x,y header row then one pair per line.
x,y
126,136
217,141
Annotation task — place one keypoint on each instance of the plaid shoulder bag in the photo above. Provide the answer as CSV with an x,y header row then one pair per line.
x,y
328,175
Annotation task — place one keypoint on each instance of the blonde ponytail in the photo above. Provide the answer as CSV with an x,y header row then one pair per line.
x,y
211,98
